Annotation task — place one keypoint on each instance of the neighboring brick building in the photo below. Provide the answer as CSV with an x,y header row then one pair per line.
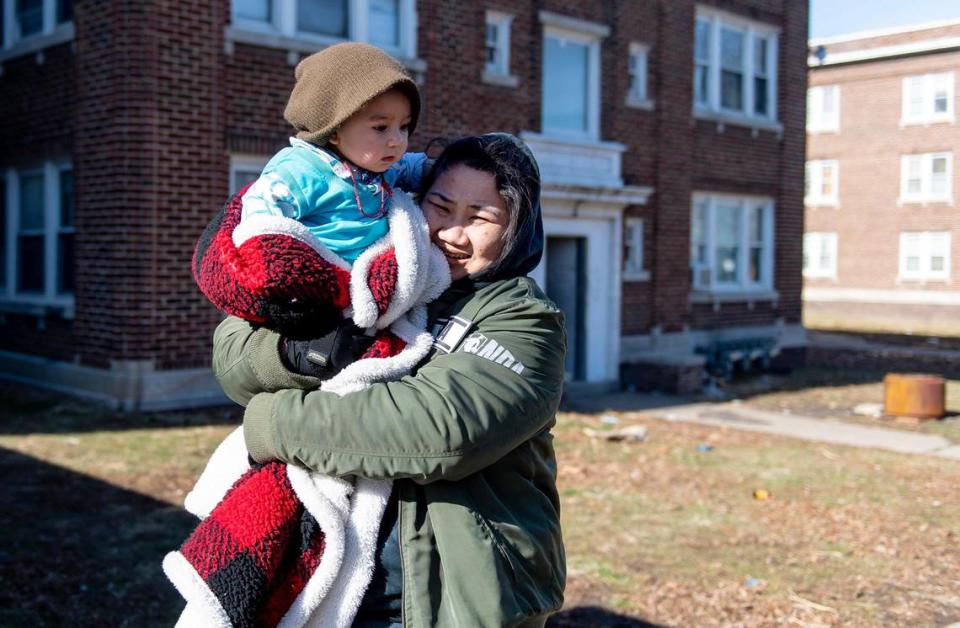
x,y
670,140
881,215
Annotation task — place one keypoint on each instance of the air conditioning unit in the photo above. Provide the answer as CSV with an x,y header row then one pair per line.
x,y
702,275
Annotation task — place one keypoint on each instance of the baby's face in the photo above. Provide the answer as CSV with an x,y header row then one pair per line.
x,y
375,137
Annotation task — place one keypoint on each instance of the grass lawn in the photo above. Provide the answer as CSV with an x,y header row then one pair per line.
x,y
656,531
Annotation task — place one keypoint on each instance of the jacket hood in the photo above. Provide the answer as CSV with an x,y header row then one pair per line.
x,y
527,245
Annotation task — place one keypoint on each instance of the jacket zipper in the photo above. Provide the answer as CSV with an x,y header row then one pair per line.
x,y
403,562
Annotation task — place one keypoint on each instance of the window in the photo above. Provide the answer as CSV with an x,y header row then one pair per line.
x,y
731,243
822,182
22,19
39,232
633,250
735,66
820,255
926,178
571,76
245,169
497,45
928,98
637,66
389,24
823,109
925,255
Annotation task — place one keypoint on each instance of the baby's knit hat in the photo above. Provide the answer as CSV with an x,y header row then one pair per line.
x,y
336,82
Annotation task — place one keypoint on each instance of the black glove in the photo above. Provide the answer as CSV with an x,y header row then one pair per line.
x,y
327,355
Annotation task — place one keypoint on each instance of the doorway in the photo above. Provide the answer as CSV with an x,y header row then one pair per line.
x,y
566,285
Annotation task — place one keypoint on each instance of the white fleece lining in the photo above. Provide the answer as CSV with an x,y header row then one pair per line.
x,y
351,520
330,506
226,465
203,606
341,605
264,224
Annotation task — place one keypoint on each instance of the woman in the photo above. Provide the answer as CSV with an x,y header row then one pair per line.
x,y
474,537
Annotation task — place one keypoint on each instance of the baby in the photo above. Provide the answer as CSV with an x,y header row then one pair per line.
x,y
314,247
354,108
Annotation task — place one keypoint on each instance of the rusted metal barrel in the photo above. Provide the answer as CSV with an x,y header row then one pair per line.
x,y
914,395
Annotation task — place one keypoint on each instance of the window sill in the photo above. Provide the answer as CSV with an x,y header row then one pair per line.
x,y
717,298
265,38
757,124
922,281
645,104
501,80
923,202
823,131
37,43
40,308
927,122
636,276
819,204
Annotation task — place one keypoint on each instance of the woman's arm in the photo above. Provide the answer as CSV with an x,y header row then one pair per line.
x,y
460,413
246,361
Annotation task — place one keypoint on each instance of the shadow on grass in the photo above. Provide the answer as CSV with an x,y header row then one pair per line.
x,y
595,617
28,410
77,551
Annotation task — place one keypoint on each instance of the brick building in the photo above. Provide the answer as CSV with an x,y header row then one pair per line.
x,y
881,216
669,134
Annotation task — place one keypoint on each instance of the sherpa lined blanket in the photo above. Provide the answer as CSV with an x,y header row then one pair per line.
x,y
278,544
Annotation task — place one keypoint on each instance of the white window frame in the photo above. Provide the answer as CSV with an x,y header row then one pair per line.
x,y
752,30
51,33
924,243
815,180
928,84
633,250
590,35
9,294
283,23
925,195
244,163
815,244
638,74
498,72
817,119
704,275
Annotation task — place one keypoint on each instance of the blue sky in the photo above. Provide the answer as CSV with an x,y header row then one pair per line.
x,y
838,17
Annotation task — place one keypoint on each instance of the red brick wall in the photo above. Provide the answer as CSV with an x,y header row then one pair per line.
x,y
155,106
868,219
36,123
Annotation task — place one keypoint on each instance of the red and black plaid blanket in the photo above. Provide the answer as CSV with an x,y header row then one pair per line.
x,y
270,551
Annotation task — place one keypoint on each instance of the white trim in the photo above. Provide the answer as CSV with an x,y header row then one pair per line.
x,y
883,52
704,285
880,32
243,162
282,30
44,302
50,33
815,243
752,32
928,92
925,195
62,34
921,245
591,41
565,22
639,56
500,69
633,250
815,181
892,297
817,119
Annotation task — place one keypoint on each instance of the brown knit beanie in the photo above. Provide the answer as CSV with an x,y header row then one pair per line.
x,y
336,82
